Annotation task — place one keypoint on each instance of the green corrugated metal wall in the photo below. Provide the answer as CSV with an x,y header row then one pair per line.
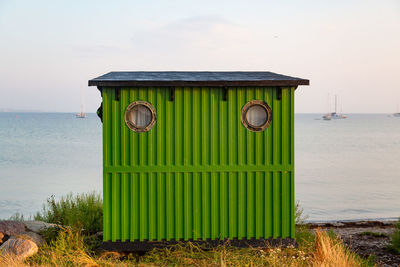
x,y
199,173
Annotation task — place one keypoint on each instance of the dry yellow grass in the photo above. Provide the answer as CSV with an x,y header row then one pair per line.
x,y
10,260
69,250
330,252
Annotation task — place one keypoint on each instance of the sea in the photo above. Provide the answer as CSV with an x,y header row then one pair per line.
x,y
346,169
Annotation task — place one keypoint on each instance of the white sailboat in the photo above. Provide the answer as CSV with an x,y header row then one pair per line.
x,y
82,114
328,116
333,115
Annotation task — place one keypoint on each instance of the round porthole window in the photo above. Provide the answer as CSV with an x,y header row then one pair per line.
x,y
256,115
140,116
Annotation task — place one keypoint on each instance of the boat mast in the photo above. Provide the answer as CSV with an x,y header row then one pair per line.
x,y
335,103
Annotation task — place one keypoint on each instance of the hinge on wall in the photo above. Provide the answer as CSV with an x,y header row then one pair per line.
x,y
171,93
117,94
279,93
224,93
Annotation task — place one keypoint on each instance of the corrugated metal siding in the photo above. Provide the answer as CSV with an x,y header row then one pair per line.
x,y
199,173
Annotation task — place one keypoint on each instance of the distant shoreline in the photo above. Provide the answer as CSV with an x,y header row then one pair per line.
x,y
389,220
38,111
6,110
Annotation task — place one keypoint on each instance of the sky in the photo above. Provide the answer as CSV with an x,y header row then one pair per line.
x,y
50,49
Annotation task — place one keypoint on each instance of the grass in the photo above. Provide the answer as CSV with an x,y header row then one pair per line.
x,y
395,242
76,245
67,249
18,217
374,234
319,249
82,211
330,251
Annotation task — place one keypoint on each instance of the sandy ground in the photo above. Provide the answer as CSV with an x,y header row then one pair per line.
x,y
366,238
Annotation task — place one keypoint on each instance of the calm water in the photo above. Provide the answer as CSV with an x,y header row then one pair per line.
x,y
345,169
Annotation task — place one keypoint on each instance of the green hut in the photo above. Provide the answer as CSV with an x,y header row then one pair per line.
x,y
197,156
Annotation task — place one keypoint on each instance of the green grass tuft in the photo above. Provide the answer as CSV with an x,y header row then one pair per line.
x,y
19,217
82,211
395,243
67,249
374,234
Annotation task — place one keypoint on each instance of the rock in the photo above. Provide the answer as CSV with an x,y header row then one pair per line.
x,y
21,248
22,245
11,227
37,226
33,237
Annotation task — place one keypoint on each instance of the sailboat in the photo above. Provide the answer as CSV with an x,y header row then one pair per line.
x,y
333,115
328,116
82,114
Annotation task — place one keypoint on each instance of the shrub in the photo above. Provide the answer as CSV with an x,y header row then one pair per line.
x,y
82,211
395,243
68,249
299,217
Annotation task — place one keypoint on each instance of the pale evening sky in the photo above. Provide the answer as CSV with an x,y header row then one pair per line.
x,y
50,49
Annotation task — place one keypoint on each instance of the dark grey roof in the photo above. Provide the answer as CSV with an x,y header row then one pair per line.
x,y
196,78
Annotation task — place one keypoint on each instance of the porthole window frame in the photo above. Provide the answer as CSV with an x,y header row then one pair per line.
x,y
247,124
131,125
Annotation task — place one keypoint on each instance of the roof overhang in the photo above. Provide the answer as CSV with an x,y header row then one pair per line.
x,y
195,79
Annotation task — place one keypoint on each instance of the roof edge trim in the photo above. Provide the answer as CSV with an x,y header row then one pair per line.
x,y
198,83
